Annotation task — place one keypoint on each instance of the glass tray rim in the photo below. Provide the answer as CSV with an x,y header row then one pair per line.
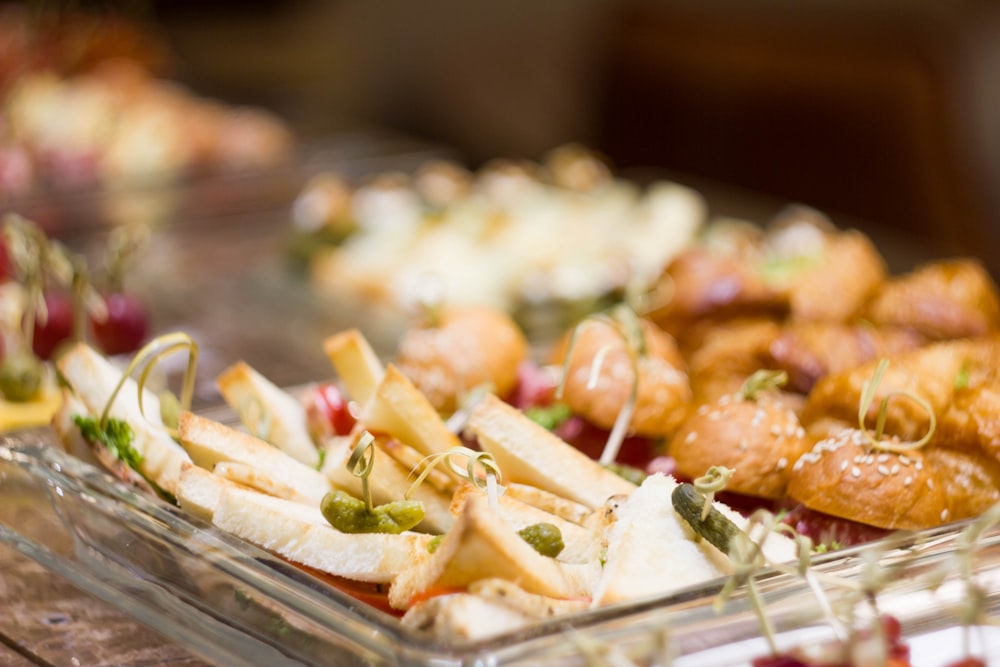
x,y
38,452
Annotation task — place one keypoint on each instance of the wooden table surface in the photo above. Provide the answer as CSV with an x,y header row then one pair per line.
x,y
48,621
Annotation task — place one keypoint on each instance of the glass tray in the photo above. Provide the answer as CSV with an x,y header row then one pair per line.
x,y
234,604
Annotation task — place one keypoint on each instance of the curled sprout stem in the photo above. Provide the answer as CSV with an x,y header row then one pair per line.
x,y
489,480
714,480
623,321
457,421
361,463
761,381
146,359
875,439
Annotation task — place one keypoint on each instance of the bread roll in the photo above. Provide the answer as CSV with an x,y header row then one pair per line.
x,y
663,389
758,439
846,477
464,348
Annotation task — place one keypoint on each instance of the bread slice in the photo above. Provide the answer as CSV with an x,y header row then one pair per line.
x,y
209,442
548,502
481,545
651,551
267,411
389,481
302,535
92,379
580,544
356,363
398,408
199,490
528,453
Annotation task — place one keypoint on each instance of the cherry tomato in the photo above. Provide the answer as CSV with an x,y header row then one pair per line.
x,y
56,327
125,328
329,411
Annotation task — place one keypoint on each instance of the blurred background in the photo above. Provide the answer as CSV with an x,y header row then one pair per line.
x,y
882,110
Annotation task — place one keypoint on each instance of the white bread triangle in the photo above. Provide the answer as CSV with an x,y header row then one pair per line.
x,y
302,535
199,490
92,379
650,549
581,544
210,442
480,545
399,409
356,363
284,415
530,454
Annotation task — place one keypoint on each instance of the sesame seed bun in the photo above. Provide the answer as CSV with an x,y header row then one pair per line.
x,y
759,440
844,476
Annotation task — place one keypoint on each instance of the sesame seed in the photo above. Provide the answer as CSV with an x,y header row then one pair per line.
x,y
843,466
690,437
919,465
790,429
800,433
725,399
907,481
798,465
856,471
703,410
743,444
775,430
714,415
904,459
883,470
930,483
882,458
782,463
895,469
944,514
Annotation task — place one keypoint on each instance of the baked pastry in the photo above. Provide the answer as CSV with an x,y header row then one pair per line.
x,y
758,437
459,349
663,389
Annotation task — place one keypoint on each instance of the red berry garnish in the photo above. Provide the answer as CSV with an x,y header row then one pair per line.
x,y
328,412
124,330
56,327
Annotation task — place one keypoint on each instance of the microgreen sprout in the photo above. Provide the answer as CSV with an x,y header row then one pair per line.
x,y
761,381
975,596
361,463
481,470
714,480
146,359
868,397
626,324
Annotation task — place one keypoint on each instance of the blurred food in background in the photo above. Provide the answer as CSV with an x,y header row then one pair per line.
x,y
557,238
86,103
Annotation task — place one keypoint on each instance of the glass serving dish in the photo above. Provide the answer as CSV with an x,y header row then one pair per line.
x,y
234,604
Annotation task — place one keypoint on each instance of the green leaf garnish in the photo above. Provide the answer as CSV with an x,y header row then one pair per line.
x,y
117,436
549,417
